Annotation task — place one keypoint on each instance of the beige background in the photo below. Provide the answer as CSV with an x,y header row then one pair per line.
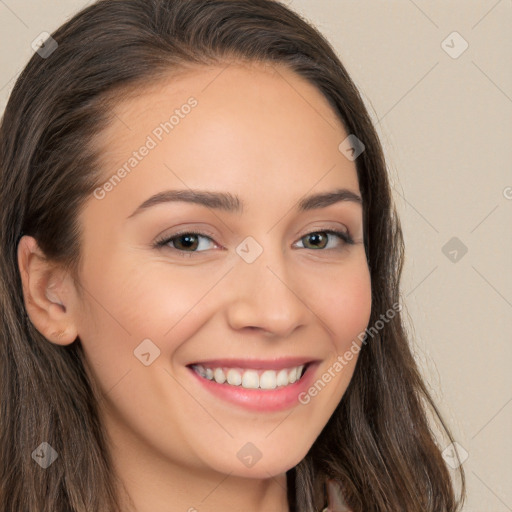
x,y
446,126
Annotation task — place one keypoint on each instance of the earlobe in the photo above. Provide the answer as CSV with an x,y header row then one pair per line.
x,y
44,293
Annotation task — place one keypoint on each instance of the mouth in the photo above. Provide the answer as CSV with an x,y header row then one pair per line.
x,y
252,377
255,385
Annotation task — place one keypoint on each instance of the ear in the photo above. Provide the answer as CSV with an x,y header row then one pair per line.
x,y
46,290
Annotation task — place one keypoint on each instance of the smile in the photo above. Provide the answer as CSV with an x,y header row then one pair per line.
x,y
249,378
255,384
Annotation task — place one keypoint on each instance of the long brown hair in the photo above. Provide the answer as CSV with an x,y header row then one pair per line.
x,y
378,445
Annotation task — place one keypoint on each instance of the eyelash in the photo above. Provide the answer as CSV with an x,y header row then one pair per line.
x,y
346,237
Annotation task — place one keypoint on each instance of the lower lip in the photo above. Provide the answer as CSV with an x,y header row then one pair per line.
x,y
267,400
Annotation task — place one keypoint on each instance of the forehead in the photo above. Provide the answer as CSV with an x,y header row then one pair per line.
x,y
254,122
229,82
273,96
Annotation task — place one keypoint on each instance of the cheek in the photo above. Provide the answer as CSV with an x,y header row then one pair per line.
x,y
344,305
344,301
130,302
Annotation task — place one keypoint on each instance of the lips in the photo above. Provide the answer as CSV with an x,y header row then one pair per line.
x,y
258,400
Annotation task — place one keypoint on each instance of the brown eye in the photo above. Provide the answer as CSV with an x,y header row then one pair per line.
x,y
320,239
185,243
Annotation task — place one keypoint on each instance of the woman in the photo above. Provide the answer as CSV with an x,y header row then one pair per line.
x,y
168,340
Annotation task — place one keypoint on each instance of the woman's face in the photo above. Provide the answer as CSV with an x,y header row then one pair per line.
x,y
253,285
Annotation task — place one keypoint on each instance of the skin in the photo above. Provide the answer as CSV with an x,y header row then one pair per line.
x,y
268,136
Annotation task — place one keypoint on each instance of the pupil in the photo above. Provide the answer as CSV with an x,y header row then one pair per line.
x,y
188,238
315,236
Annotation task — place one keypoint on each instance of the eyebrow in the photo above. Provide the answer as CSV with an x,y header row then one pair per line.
x,y
232,203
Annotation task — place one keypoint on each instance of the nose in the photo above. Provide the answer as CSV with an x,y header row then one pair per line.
x,y
266,296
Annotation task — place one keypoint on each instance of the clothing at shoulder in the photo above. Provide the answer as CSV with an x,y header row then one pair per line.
x,y
335,500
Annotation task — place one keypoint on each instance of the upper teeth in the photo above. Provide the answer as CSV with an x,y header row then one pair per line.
x,y
251,379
